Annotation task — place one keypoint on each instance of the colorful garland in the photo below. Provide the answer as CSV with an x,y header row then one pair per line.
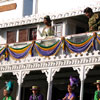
x,y
68,46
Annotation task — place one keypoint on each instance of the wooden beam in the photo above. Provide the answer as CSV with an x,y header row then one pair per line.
x,y
8,7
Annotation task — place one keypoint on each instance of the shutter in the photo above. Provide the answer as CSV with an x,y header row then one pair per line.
x,y
11,36
23,35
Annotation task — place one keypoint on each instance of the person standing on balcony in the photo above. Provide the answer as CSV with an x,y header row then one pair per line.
x,y
70,95
48,30
7,91
36,94
97,92
94,19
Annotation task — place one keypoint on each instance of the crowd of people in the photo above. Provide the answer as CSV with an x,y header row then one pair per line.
x,y
36,95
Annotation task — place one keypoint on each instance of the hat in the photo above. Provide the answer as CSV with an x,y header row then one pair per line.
x,y
9,86
35,88
97,82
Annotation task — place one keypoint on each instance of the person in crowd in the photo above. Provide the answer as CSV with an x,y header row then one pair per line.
x,y
94,19
70,95
48,30
7,91
97,92
36,94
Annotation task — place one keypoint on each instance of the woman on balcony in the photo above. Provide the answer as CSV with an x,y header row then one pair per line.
x,y
48,30
70,95
7,91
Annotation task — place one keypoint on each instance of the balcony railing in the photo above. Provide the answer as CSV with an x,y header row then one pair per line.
x,y
78,43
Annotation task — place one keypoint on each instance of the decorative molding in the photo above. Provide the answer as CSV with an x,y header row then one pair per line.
x,y
50,73
83,70
20,75
39,18
40,63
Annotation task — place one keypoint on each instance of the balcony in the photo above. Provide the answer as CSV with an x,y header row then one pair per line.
x,y
57,54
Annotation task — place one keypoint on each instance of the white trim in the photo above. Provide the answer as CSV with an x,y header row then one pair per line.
x,y
39,18
17,36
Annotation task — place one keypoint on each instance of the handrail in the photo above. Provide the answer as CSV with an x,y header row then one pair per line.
x,y
46,39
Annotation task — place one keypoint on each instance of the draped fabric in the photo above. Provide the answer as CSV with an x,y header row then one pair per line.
x,y
78,48
2,51
42,50
18,55
48,51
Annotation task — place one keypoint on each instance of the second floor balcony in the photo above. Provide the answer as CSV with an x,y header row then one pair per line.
x,y
55,46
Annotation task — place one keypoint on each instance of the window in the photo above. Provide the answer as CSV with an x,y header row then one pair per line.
x,y
23,35
33,34
58,29
11,36
27,7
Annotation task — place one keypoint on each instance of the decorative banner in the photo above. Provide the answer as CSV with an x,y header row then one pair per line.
x,y
2,51
19,53
49,50
78,48
68,46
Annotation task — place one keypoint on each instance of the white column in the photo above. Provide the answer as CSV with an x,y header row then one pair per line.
x,y
20,7
35,7
20,76
64,29
49,93
38,30
0,74
17,36
83,70
50,73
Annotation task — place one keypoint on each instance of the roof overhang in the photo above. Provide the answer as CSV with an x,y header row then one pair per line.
x,y
39,18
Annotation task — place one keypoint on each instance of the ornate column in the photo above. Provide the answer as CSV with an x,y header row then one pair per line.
x,y
20,76
35,7
50,73
64,29
82,71
0,74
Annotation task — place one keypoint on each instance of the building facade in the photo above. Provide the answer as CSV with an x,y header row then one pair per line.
x,y
26,62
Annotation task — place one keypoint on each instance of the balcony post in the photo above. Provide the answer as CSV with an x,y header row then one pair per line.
x,y
20,76
83,70
50,73
64,29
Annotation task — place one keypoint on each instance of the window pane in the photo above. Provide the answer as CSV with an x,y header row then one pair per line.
x,y
23,35
33,34
11,36
58,30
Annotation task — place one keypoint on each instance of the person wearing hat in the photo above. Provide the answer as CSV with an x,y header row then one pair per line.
x,y
7,91
36,94
70,95
97,92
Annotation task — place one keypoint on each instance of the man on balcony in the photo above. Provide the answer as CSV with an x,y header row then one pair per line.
x,y
36,94
94,19
97,92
